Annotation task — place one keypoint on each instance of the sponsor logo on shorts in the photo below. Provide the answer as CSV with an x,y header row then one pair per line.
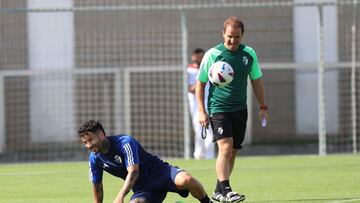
x,y
220,130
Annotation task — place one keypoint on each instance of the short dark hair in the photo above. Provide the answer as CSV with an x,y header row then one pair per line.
x,y
234,22
90,126
198,51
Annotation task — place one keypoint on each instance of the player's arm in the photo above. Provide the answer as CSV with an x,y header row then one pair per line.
x,y
98,192
95,176
191,88
202,79
199,93
258,86
131,178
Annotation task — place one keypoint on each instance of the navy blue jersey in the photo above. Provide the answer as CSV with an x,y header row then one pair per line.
x,y
125,151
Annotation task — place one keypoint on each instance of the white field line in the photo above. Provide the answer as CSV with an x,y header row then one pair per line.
x,y
275,167
34,173
25,173
343,201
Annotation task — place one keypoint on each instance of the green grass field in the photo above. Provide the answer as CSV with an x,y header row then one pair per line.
x,y
262,179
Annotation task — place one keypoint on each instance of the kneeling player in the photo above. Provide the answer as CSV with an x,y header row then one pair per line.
x,y
149,177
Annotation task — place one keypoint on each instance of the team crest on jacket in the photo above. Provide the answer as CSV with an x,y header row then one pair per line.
x,y
245,60
117,159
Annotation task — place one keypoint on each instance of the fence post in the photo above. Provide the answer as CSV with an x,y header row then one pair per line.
x,y
2,115
118,103
321,86
353,80
184,45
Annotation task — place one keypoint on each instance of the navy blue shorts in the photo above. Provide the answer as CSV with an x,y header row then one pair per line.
x,y
230,124
163,182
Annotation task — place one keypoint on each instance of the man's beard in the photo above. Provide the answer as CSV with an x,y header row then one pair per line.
x,y
105,145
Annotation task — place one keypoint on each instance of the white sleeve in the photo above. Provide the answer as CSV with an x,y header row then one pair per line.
x,y
191,76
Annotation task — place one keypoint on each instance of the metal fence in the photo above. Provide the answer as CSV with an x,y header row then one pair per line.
x,y
122,62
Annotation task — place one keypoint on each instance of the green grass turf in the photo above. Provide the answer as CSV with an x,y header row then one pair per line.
x,y
316,179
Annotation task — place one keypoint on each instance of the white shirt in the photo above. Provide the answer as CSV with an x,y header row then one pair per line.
x,y
192,72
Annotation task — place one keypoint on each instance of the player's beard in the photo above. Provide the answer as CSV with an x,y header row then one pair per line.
x,y
105,145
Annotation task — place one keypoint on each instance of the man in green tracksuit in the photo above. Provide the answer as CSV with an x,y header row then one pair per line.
x,y
227,105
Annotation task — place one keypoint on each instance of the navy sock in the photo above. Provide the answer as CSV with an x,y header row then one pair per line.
x,y
225,187
205,199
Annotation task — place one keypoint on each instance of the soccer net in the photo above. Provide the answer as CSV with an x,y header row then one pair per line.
x,y
123,63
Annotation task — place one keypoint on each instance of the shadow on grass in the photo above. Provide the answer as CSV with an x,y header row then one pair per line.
x,y
315,200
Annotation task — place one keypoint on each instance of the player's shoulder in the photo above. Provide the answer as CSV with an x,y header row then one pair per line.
x,y
248,49
122,138
216,50
212,53
119,137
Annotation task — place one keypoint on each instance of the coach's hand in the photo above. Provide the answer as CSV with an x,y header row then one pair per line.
x,y
263,114
203,119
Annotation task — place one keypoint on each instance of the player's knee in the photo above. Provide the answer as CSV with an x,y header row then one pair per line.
x,y
226,150
185,180
225,144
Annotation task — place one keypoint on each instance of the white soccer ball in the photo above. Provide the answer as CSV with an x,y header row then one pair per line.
x,y
221,74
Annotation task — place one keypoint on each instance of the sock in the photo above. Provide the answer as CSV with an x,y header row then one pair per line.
x,y
217,187
205,199
225,187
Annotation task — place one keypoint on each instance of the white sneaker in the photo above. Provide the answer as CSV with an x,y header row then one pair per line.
x,y
217,197
233,197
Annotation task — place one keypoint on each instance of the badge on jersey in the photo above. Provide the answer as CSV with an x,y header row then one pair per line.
x,y
117,159
245,60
